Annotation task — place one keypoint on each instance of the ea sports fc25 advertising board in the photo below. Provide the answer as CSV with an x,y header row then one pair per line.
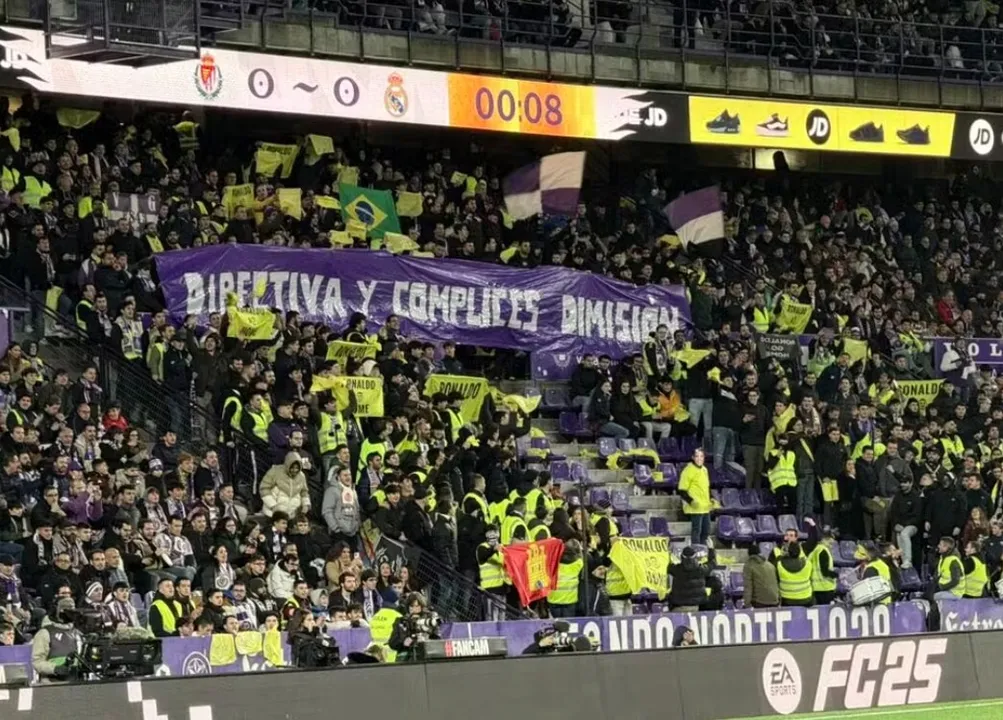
x,y
379,93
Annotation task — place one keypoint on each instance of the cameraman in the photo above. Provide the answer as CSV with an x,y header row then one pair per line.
x,y
55,643
417,626
310,647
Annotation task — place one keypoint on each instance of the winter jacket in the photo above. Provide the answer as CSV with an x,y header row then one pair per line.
x,y
340,508
689,583
444,540
727,412
283,491
418,526
753,433
891,471
867,479
907,509
945,511
762,588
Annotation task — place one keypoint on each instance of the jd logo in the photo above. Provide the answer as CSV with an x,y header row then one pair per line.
x,y
981,137
782,681
818,126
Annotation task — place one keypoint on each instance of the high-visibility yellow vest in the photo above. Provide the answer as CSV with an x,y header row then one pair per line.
x,y
539,532
260,429
783,473
498,511
455,424
81,323
35,190
881,567
566,592
761,319
481,503
594,518
331,433
381,626
781,552
508,528
944,574
187,134
493,571
795,585
235,418
819,582
132,338
10,177
976,580
18,417
695,481
369,447
168,615
616,583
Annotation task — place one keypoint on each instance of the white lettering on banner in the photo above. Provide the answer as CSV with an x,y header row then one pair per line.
x,y
480,307
608,320
954,622
903,672
301,292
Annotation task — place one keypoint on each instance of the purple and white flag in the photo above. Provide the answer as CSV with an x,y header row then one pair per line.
x,y
549,186
697,216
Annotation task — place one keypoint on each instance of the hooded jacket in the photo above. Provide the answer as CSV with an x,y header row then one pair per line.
x,y
340,508
762,589
282,489
689,582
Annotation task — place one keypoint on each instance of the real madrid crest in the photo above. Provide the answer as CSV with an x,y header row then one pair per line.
x,y
395,98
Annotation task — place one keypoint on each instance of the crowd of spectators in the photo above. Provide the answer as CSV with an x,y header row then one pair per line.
x,y
102,500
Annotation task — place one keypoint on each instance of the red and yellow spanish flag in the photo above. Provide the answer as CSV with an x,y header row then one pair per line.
x,y
533,567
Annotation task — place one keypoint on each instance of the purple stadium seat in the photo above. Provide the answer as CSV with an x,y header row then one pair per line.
x,y
596,495
646,444
727,528
639,609
620,500
607,446
749,500
789,522
638,527
746,529
676,545
570,423
725,577
522,445
578,473
847,577
626,444
737,583
909,580
688,445
668,449
730,501
658,526
716,477
556,398
670,478
642,476
657,608
766,549
766,528
560,471
842,553
767,501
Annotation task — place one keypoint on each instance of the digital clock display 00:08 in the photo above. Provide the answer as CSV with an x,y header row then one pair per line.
x,y
509,105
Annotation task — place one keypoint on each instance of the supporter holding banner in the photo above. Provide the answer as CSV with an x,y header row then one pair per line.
x,y
543,309
235,196
342,350
644,563
473,390
793,316
533,568
257,324
368,395
923,390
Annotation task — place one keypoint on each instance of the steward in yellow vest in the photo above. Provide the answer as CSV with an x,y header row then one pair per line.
x,y
514,526
880,567
794,572
165,611
976,575
563,601
950,572
823,572
780,467
491,565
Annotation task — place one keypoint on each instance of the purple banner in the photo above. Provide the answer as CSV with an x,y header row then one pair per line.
x,y
547,308
984,351
194,656
971,615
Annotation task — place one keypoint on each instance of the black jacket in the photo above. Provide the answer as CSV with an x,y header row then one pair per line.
x,y
867,479
444,540
726,411
830,458
907,509
945,511
753,433
689,582
418,526
584,381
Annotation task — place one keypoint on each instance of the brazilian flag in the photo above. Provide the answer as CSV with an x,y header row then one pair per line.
x,y
373,208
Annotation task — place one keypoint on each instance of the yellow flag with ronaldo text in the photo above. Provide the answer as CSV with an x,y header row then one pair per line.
x,y
644,563
473,390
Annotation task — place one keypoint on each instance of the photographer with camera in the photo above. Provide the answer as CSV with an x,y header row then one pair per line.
x,y
54,645
558,638
418,625
310,646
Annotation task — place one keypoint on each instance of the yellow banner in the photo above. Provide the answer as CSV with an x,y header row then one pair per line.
x,y
249,324
398,243
291,202
342,350
368,395
473,390
793,316
923,390
235,196
644,563
348,175
856,349
410,204
809,126
527,404
271,156
316,147
340,238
